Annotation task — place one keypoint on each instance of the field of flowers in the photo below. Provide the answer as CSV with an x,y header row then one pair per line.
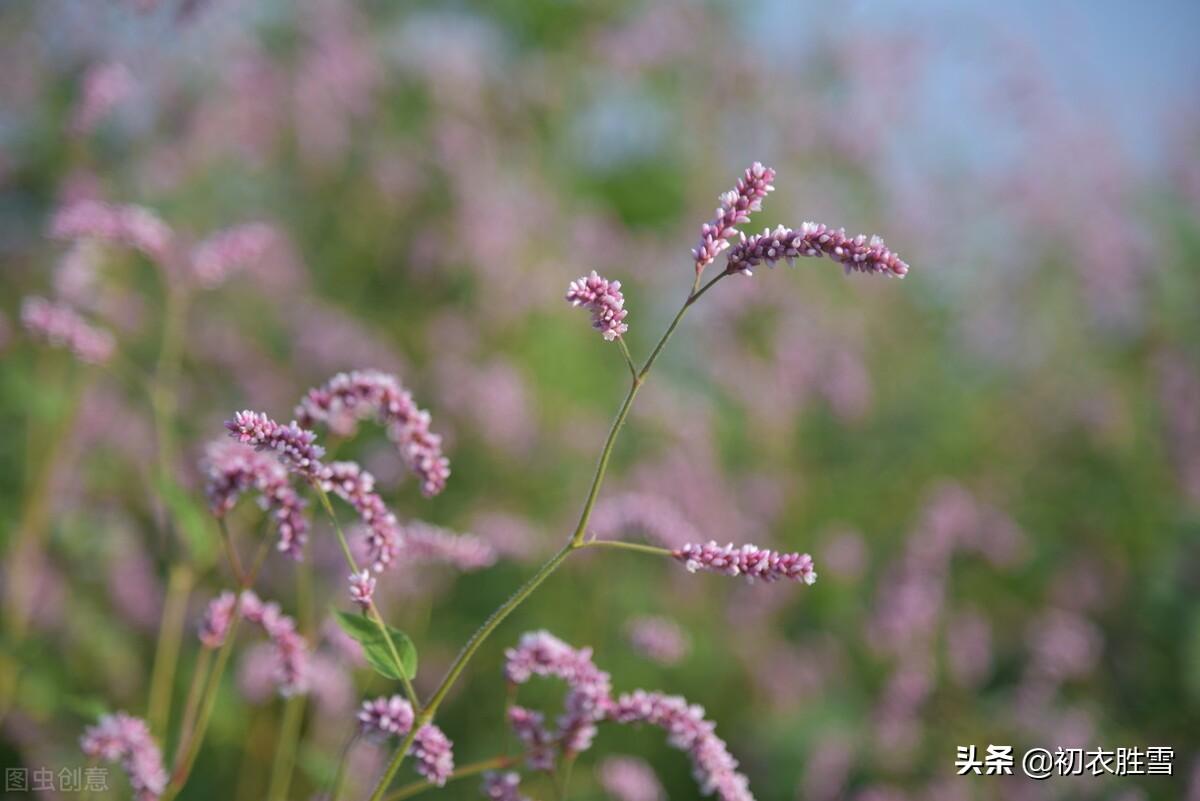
x,y
333,464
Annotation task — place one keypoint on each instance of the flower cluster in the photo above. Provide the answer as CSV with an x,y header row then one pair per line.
x,y
747,560
124,738
127,226
294,446
59,325
736,206
362,588
540,653
362,394
713,766
236,248
658,639
291,653
394,717
232,468
466,552
502,786
605,301
868,255
357,487
629,779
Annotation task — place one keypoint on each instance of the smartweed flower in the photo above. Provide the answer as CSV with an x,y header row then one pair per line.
x,y
604,300
756,564
59,325
736,206
124,738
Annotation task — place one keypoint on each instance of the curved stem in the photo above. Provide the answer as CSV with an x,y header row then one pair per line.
x,y
372,610
466,771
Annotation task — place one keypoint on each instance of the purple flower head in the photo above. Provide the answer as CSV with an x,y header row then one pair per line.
x,y
386,716
630,779
540,653
362,394
813,239
357,487
736,206
214,626
394,717
605,301
713,766
362,588
530,728
59,325
132,227
502,786
232,468
127,739
464,551
748,560
232,249
294,446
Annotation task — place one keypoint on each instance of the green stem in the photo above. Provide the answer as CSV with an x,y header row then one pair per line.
x,y
372,610
340,774
199,676
180,581
466,771
628,357
627,546
285,750
544,572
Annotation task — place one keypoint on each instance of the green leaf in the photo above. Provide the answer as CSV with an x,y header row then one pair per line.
x,y
367,634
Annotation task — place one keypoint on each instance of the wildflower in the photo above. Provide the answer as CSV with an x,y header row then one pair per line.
x,y
502,786
127,739
394,716
232,468
386,716
127,226
542,654
464,551
357,487
239,247
713,766
59,325
813,239
604,299
362,587
214,626
349,397
736,206
294,446
658,639
748,560
630,779
105,86
529,726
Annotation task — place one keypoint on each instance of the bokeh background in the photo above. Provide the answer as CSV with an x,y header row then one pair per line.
x,y
995,462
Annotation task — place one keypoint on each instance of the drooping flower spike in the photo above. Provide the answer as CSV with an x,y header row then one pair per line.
x,y
230,250
859,253
502,786
59,325
756,564
133,227
294,446
357,487
736,206
291,652
362,394
604,300
124,738
394,716
232,468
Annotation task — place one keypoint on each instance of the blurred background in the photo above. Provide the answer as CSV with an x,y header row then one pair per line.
x,y
995,463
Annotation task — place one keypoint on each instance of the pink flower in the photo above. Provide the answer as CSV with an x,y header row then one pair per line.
x,y
127,739
362,587
232,468
291,652
357,487
59,325
214,626
748,560
530,728
540,653
105,86
236,248
133,227
659,639
502,786
736,206
604,299
813,239
630,779
466,552
394,717
294,446
712,765
362,394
